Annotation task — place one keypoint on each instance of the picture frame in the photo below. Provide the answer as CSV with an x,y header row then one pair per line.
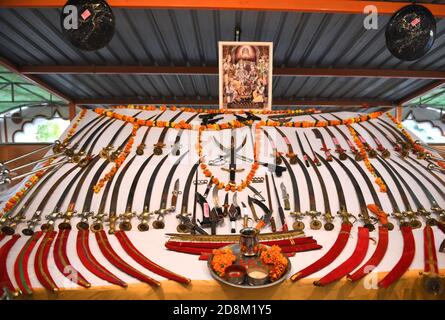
x,y
245,75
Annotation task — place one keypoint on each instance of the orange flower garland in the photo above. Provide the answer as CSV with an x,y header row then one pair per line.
x,y
230,186
273,257
368,163
234,123
12,202
118,162
222,258
216,111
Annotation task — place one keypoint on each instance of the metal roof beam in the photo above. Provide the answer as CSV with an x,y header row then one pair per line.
x,y
420,92
34,80
200,70
323,6
210,102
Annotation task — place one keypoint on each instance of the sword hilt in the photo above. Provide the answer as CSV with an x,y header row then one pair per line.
x,y
98,222
345,216
125,224
65,224
32,223
83,223
49,225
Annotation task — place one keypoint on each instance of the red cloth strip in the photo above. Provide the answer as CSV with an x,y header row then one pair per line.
x,y
63,263
5,280
376,258
2,236
330,256
131,250
115,260
21,264
90,262
215,245
41,262
405,261
352,262
287,249
429,247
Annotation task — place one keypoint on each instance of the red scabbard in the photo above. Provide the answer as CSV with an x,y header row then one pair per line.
x,y
352,262
330,256
5,280
114,259
376,258
63,263
41,261
429,247
131,250
90,262
21,264
405,261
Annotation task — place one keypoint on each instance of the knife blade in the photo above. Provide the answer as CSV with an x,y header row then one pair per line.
x,y
285,196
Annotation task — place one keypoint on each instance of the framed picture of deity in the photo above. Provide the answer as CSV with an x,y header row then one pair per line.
x,y
245,75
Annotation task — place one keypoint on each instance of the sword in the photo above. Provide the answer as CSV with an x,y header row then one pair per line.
x,y
316,161
257,194
226,205
232,166
265,219
351,146
280,208
324,147
385,152
302,150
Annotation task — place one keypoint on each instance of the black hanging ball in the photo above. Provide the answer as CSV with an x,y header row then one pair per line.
x,y
411,32
95,24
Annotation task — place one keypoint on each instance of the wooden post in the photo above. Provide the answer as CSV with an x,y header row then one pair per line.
x,y
399,113
72,109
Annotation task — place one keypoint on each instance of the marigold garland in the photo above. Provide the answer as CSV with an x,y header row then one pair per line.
x,y
364,155
222,258
119,161
217,111
30,183
234,124
273,257
230,186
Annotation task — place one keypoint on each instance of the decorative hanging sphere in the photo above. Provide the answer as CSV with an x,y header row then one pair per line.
x,y
411,32
88,24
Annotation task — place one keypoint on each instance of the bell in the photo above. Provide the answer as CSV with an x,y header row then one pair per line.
x,y
358,157
372,154
8,230
28,232
157,151
64,226
343,156
140,149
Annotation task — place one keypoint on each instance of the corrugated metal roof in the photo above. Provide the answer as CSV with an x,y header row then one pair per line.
x,y
190,37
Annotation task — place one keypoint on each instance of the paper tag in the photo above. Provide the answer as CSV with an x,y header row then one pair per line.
x,y
86,14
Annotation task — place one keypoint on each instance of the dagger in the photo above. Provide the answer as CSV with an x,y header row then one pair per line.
x,y
285,196
280,208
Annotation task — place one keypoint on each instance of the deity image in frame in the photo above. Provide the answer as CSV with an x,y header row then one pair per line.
x,y
245,75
